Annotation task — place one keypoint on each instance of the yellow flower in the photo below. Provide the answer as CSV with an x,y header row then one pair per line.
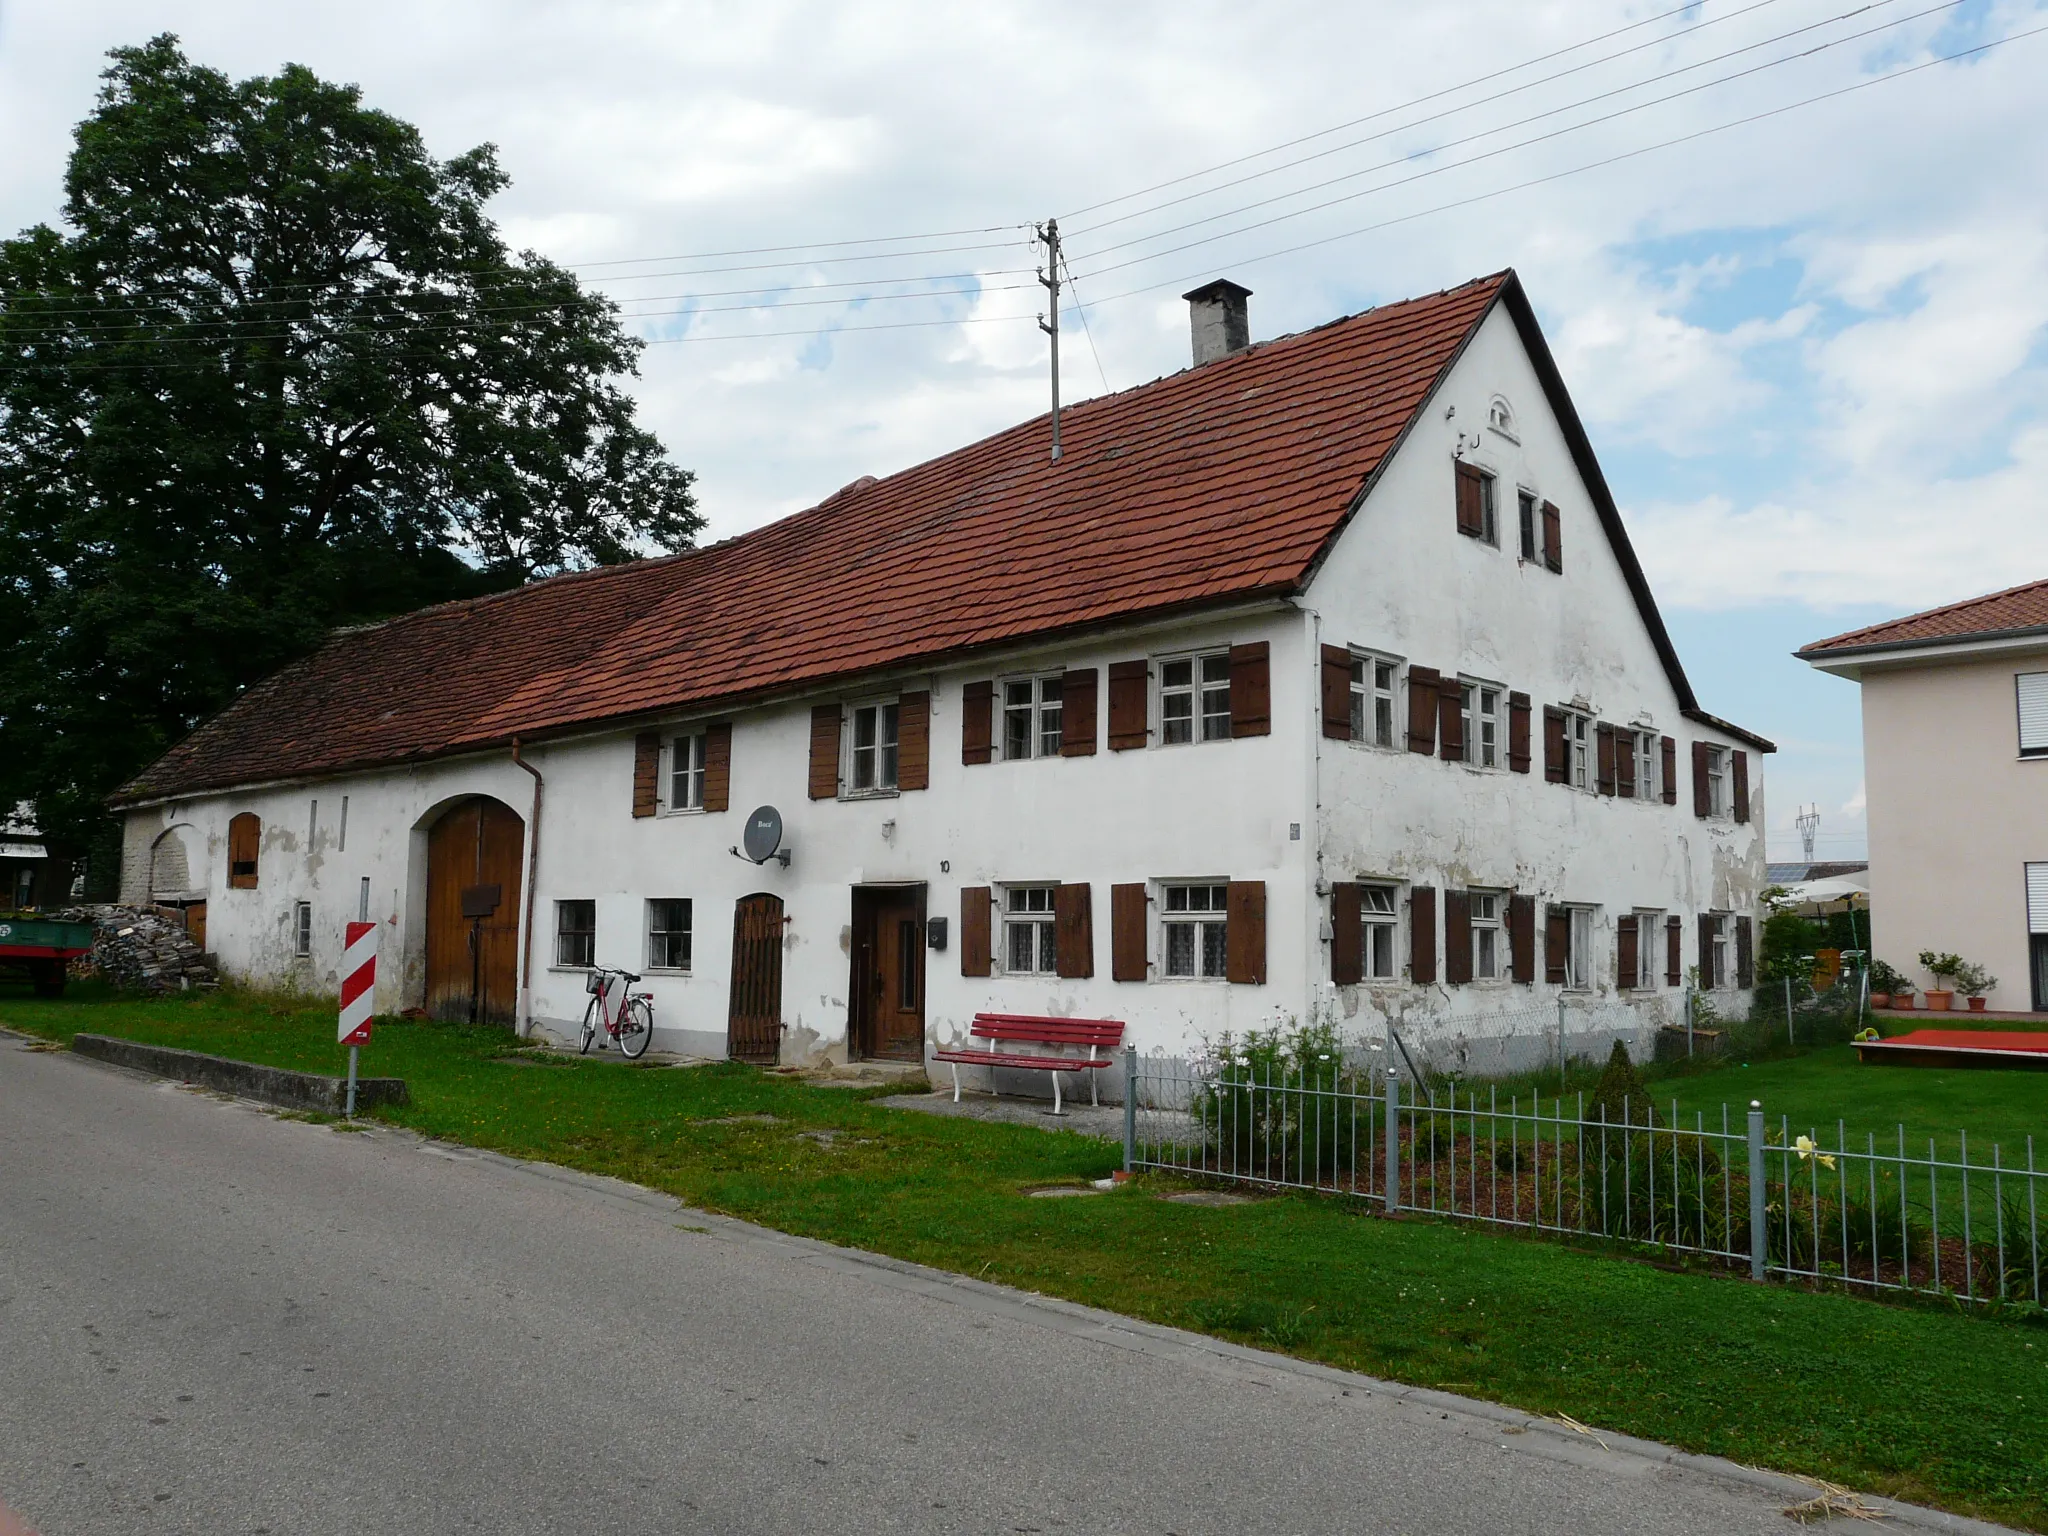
x,y
1805,1147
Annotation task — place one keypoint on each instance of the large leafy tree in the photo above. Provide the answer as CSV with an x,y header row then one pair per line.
x,y
276,372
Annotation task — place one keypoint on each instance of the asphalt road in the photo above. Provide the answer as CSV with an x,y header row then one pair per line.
x,y
213,1320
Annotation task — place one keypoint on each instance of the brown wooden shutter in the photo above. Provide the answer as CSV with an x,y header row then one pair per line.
x,y
1706,949
1450,730
1522,935
1557,944
1553,537
1422,934
1336,693
1670,754
1251,690
1471,503
1745,953
977,920
1739,761
1625,764
1077,712
1128,701
1518,732
1244,935
245,838
1603,738
1702,801
1674,951
1128,949
1422,686
1457,937
1073,925
1556,763
1625,957
718,765
914,740
1347,933
646,772
825,751
977,722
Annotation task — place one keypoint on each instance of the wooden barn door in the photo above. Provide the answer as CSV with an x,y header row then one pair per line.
x,y
473,862
753,1027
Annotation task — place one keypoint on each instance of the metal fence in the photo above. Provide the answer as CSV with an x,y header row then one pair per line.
x,y
1354,1122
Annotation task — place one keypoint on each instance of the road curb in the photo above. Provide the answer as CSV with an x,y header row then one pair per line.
x,y
245,1079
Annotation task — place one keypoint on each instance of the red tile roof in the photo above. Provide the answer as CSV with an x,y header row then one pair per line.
x,y
2016,609
1217,484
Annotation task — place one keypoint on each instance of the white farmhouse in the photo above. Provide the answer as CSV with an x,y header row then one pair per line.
x,y
1317,681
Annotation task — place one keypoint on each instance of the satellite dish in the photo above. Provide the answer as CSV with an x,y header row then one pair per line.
x,y
763,836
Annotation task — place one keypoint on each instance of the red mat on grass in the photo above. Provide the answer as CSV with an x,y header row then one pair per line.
x,y
1961,1046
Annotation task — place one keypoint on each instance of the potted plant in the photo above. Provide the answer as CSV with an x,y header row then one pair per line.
x,y
1886,985
1941,968
1974,981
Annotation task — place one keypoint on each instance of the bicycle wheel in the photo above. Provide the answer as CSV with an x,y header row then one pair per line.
x,y
636,1029
590,1018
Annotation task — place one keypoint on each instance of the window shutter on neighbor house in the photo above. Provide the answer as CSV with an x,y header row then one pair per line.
x,y
1077,712
977,723
1557,943
646,772
1518,732
1674,951
1625,956
1347,933
1251,689
1128,702
1450,729
1244,935
1073,924
1471,509
1625,764
1457,937
1670,758
1553,537
1522,935
1739,761
977,922
245,838
914,740
825,751
1603,735
1556,768
1422,685
1422,934
1745,953
1336,693
1702,805
718,765
1127,945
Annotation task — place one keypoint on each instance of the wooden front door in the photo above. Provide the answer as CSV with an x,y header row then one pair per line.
x,y
753,1025
473,863
887,1013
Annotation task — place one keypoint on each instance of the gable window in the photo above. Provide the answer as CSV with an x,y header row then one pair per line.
x,y
1478,513
2033,698
1479,703
1501,417
1526,507
576,934
302,929
1194,698
1489,937
1029,946
1647,787
871,764
1194,930
1578,735
1372,700
1377,903
1031,717
668,934
1716,759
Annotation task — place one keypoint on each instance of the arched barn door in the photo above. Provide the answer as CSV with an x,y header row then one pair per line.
x,y
473,861
754,1020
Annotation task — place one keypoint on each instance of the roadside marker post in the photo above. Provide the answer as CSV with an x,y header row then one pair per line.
x,y
358,996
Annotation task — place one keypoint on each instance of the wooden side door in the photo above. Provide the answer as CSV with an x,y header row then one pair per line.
x,y
474,856
195,923
753,1027
888,973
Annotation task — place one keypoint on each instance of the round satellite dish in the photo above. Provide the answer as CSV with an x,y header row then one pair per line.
x,y
763,835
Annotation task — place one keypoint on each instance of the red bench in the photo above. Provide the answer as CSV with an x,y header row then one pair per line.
x,y
1098,1037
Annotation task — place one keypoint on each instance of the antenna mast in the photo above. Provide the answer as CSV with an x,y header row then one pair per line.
x,y
1049,276
1808,822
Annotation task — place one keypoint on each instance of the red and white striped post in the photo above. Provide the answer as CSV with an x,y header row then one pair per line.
x,y
358,996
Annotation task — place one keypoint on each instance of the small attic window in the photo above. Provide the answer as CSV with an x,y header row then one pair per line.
x,y
1501,417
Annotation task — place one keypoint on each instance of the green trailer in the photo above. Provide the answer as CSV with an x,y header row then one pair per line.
x,y
43,948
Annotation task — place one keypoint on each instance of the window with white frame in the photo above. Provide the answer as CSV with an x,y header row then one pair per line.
x,y
668,933
1479,704
1718,968
1578,739
2032,688
1373,681
1029,947
576,934
1649,935
1717,781
1525,505
1194,928
686,772
1194,698
1379,907
1647,766
1578,958
302,929
871,748
1489,936
1031,717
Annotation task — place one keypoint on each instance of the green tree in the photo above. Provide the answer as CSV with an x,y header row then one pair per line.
x,y
277,372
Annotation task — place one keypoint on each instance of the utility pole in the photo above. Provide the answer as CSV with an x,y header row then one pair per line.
x,y
1808,822
1049,276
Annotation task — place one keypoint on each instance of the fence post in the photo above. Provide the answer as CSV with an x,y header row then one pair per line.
x,y
1130,1106
1393,1139
1757,1230
1790,1038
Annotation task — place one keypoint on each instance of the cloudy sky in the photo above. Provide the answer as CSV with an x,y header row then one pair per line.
x,y
1807,334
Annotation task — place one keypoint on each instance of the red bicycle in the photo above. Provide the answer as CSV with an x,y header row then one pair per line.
x,y
624,1016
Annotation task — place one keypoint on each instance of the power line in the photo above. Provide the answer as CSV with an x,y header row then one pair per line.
x,y
1082,310
812,245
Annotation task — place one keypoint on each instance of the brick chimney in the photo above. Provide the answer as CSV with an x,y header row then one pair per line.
x,y
1219,320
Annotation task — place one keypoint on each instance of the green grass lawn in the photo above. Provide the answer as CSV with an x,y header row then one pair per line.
x,y
1917,1401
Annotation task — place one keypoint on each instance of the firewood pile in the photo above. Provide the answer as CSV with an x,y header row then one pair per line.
x,y
143,949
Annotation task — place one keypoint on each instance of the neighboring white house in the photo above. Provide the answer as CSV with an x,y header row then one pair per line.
x,y
1317,681
1955,766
